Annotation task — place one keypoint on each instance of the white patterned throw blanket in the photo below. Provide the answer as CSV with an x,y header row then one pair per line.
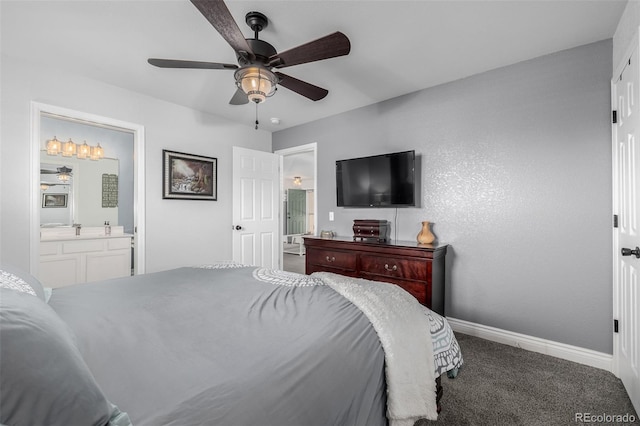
x,y
405,335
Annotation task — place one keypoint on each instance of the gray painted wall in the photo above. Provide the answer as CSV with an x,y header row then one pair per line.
x,y
515,168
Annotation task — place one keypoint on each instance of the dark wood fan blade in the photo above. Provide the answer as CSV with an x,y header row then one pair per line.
x,y
336,44
176,63
219,16
303,88
239,98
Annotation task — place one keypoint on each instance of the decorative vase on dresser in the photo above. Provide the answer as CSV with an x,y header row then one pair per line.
x,y
426,236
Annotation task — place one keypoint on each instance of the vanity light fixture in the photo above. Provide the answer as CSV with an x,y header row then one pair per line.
x,y
44,186
84,150
68,149
54,146
97,152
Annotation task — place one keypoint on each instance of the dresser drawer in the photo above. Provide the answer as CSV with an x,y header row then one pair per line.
x,y
419,290
332,258
395,267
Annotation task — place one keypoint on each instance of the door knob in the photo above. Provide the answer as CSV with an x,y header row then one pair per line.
x,y
629,252
237,227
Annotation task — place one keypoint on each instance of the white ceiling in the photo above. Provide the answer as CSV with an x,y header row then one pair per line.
x,y
397,47
299,164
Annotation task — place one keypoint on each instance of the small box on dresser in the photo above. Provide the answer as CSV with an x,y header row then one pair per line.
x,y
417,268
370,229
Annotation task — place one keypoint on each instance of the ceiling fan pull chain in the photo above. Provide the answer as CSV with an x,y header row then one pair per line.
x,y
256,115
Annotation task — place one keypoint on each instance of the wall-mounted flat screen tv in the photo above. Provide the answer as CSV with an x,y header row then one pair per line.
x,y
386,180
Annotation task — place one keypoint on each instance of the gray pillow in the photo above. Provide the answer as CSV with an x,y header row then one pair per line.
x,y
44,377
17,279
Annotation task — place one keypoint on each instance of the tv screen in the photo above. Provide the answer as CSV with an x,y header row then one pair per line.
x,y
386,180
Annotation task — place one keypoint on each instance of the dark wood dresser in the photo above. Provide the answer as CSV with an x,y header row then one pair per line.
x,y
417,268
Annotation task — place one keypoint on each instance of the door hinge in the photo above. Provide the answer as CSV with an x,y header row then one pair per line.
x,y
615,326
614,116
615,220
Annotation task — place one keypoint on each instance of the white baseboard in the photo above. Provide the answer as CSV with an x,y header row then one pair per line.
x,y
559,350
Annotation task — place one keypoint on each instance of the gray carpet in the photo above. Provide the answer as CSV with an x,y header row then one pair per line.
x,y
504,385
293,263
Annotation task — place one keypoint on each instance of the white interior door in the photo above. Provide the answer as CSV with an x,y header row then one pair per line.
x,y
626,165
256,208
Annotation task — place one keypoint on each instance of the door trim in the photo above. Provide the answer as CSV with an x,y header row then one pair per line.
x,y
310,147
37,109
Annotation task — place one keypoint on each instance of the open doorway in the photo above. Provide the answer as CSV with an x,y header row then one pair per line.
x,y
299,188
48,121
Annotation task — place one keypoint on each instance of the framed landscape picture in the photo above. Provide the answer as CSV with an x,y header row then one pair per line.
x,y
189,177
54,201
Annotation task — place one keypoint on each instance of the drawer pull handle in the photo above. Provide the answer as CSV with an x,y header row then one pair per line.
x,y
394,268
331,259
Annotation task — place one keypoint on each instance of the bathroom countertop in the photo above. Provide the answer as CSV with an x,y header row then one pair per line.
x,y
81,237
86,233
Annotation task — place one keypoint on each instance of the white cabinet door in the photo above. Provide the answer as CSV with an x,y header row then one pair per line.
x,y
60,271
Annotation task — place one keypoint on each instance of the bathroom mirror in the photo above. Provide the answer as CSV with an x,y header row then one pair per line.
x,y
88,196
99,190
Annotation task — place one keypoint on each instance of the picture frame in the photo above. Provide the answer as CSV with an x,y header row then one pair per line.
x,y
54,201
189,176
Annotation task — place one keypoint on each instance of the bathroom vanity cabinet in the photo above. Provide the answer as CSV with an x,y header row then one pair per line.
x,y
73,259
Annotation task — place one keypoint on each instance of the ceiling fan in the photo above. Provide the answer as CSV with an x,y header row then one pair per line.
x,y
255,77
64,173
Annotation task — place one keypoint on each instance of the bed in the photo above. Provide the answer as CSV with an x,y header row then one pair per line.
x,y
223,344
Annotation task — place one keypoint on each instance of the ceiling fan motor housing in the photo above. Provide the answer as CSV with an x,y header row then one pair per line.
x,y
262,50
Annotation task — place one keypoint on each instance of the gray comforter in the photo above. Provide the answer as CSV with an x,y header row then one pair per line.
x,y
223,347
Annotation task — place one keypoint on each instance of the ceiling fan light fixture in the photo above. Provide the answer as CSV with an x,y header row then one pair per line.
x,y
64,173
257,82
